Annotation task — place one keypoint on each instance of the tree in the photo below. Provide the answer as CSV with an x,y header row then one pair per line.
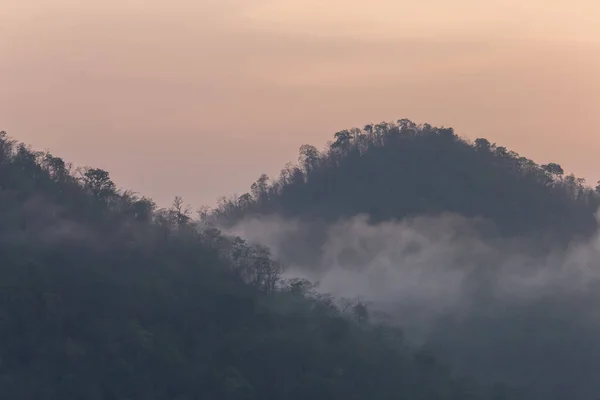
x,y
265,271
406,125
342,139
181,213
6,147
98,182
482,144
260,187
245,200
553,169
143,209
204,212
57,168
308,157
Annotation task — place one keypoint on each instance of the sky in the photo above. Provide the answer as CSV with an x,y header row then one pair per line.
x,y
198,98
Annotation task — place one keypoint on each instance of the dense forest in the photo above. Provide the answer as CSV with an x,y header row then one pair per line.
x,y
105,296
395,170
485,257
401,170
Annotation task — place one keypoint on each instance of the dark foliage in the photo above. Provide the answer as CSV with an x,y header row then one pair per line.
x,y
102,296
398,170
392,171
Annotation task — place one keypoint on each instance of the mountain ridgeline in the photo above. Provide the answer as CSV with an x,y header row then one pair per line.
x,y
480,255
398,170
105,296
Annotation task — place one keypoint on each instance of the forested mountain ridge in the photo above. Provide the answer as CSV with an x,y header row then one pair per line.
x,y
104,296
397,170
495,255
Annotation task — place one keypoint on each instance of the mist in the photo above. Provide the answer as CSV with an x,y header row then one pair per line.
x,y
498,308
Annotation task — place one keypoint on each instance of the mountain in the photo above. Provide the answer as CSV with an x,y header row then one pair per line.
x,y
398,170
104,296
482,256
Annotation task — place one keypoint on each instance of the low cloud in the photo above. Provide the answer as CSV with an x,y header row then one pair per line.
x,y
498,308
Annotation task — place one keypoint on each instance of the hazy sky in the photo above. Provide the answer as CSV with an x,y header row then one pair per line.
x,y
198,97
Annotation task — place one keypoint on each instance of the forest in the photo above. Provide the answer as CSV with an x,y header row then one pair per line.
x,y
107,296
397,170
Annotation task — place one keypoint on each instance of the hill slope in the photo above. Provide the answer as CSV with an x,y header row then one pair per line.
x,y
481,254
397,170
102,296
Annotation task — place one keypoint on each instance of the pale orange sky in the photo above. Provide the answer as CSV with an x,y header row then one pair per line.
x,y
197,98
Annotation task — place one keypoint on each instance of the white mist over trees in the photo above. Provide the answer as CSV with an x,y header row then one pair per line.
x,y
401,261
479,254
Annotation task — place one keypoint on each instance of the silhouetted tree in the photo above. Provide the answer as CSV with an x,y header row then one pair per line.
x,y
98,182
553,169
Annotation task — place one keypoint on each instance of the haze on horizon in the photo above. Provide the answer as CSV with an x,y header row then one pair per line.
x,y
199,98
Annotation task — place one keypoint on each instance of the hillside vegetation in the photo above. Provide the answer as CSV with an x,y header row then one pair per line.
x,y
397,170
104,296
492,259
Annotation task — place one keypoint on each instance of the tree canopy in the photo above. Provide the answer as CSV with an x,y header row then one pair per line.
x,y
104,296
546,340
401,169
